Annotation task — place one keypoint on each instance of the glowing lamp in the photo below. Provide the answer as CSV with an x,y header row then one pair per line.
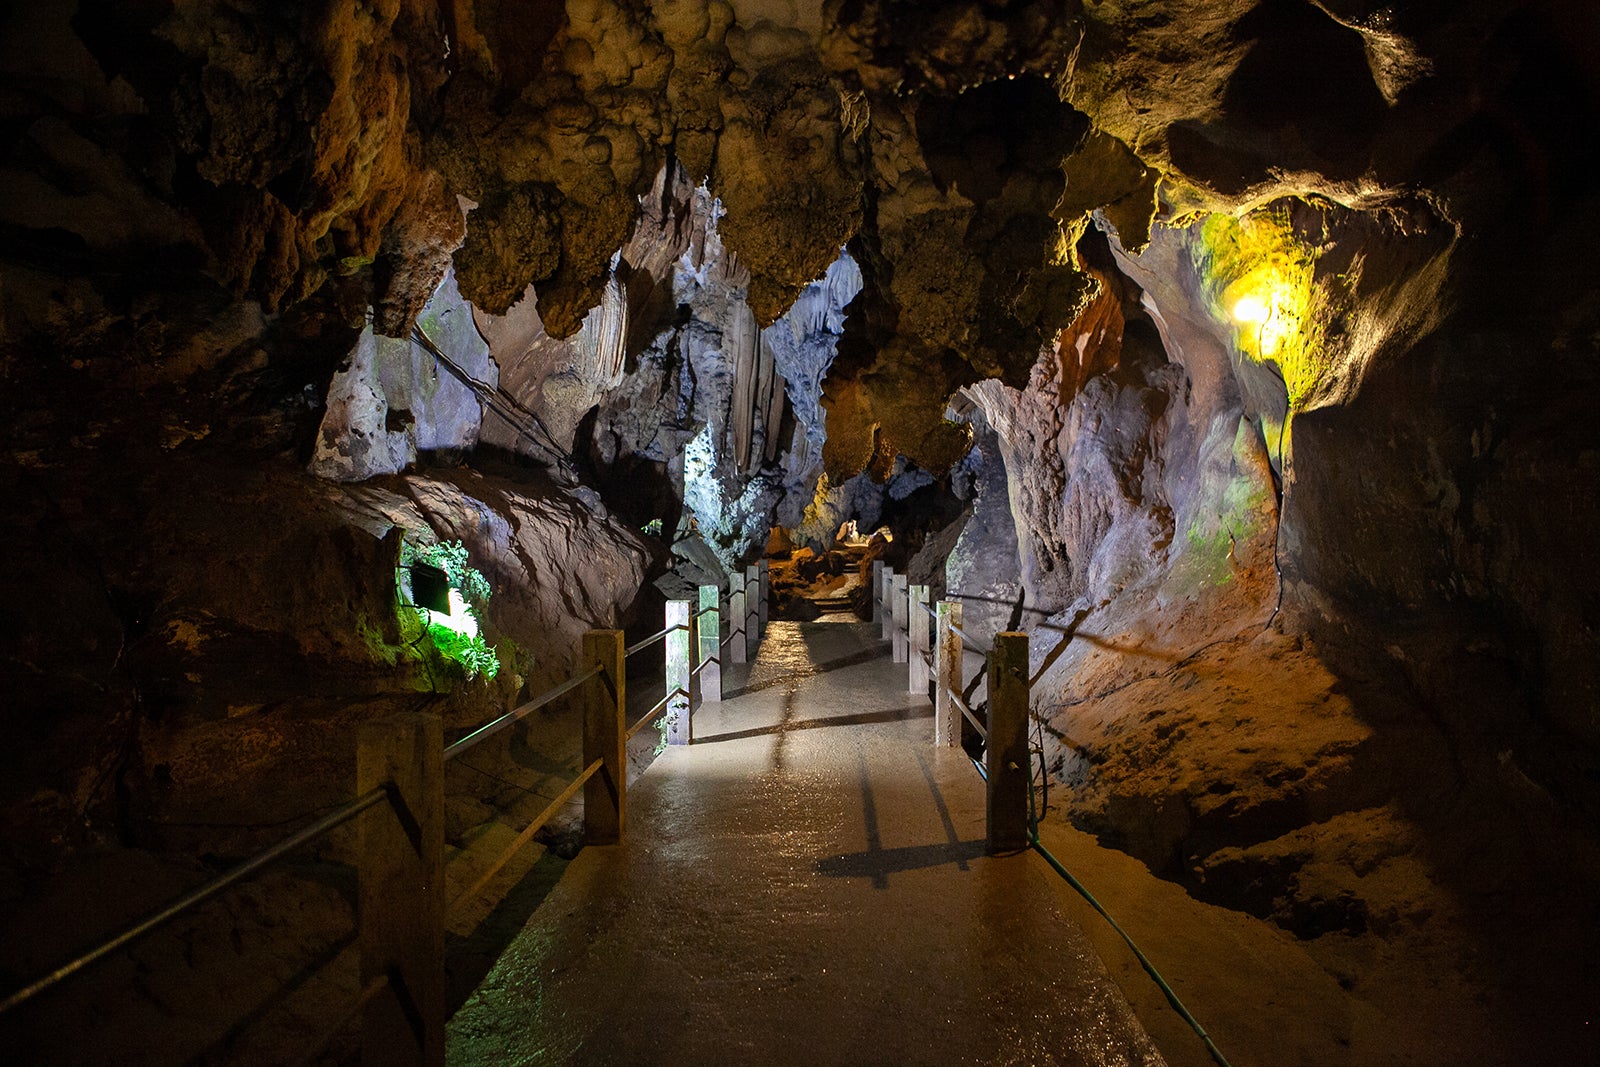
x,y
459,618
1251,309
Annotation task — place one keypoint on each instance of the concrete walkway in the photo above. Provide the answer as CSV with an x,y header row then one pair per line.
x,y
805,884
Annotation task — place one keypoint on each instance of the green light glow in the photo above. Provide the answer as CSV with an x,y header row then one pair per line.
x,y
460,618
457,635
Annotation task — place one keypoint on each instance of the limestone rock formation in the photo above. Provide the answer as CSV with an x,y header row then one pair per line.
x,y
671,380
394,398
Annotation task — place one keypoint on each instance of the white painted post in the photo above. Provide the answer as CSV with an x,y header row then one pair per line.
x,y
736,613
917,682
766,594
898,592
887,593
710,631
752,622
877,591
947,676
680,702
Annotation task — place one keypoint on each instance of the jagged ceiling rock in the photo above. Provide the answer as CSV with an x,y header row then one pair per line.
x,y
300,136
1246,101
416,252
296,123
902,46
671,396
788,173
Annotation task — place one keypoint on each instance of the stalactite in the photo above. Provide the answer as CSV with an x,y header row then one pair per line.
x,y
772,415
611,350
742,347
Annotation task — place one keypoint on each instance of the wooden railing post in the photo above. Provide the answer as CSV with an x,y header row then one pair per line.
x,y
887,593
877,591
947,676
898,612
917,621
1006,758
710,631
605,733
680,677
736,618
752,607
766,594
401,873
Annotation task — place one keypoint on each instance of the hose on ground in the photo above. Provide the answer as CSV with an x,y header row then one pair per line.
x,y
1144,961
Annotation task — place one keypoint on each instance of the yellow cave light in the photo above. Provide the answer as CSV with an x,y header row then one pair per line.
x,y
1251,309
1261,277
1266,313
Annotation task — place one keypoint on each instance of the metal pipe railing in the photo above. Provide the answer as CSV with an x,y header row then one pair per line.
x,y
352,808
972,646
494,726
961,705
661,705
528,831
339,816
652,639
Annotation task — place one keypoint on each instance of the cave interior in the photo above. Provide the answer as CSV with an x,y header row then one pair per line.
x,y
1244,352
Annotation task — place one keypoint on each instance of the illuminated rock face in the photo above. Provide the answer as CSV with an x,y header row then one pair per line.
x,y
672,396
393,399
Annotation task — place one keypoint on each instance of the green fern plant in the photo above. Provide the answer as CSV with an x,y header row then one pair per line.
x,y
450,557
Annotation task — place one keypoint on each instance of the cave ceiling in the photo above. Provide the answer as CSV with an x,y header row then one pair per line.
x,y
961,150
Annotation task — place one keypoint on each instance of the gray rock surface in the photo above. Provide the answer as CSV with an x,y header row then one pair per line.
x,y
393,399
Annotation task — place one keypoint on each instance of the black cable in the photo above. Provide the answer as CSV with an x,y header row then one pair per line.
x,y
1144,961
497,400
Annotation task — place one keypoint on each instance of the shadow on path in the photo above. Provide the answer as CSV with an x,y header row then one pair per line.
x,y
879,863
867,655
860,718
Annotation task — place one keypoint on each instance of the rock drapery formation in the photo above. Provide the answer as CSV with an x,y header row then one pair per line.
x,y
1261,330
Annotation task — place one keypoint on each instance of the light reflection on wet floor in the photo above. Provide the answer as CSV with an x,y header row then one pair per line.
x,y
805,884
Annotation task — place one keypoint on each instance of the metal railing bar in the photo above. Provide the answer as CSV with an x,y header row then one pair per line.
x,y
708,611
652,639
931,613
527,833
661,705
969,642
494,726
340,815
702,665
978,767
983,731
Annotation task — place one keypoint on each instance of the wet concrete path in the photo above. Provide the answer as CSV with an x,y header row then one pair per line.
x,y
805,884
